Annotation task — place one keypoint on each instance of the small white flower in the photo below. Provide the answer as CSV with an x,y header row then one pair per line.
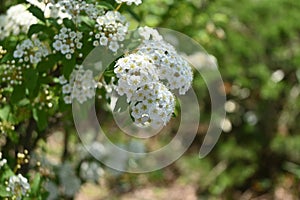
x,y
57,45
114,46
62,80
18,53
66,89
103,41
96,43
67,99
65,49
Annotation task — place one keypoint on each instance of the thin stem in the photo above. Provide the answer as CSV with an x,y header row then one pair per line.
x,y
119,6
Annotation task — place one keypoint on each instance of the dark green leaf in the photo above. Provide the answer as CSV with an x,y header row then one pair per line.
x,y
36,28
18,94
69,24
40,116
48,63
68,66
38,13
6,58
13,136
31,77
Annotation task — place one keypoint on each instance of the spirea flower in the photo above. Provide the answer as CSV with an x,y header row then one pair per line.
x,y
31,50
129,2
67,42
111,29
170,65
81,85
73,10
18,186
16,21
152,104
148,33
133,71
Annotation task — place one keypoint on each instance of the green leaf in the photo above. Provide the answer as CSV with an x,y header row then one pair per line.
x,y
6,58
38,13
68,66
35,186
48,63
109,73
7,172
13,137
3,191
41,119
31,77
18,94
105,5
69,24
4,112
36,28
134,15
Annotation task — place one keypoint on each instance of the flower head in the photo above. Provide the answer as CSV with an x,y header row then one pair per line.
x,y
133,71
81,85
152,104
18,186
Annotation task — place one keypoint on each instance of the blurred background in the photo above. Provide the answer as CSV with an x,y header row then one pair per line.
x,y
257,47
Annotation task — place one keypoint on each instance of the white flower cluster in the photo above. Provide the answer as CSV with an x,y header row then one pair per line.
x,y
111,29
129,2
81,85
67,42
132,72
147,75
18,186
152,104
31,50
75,8
170,65
2,161
17,20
